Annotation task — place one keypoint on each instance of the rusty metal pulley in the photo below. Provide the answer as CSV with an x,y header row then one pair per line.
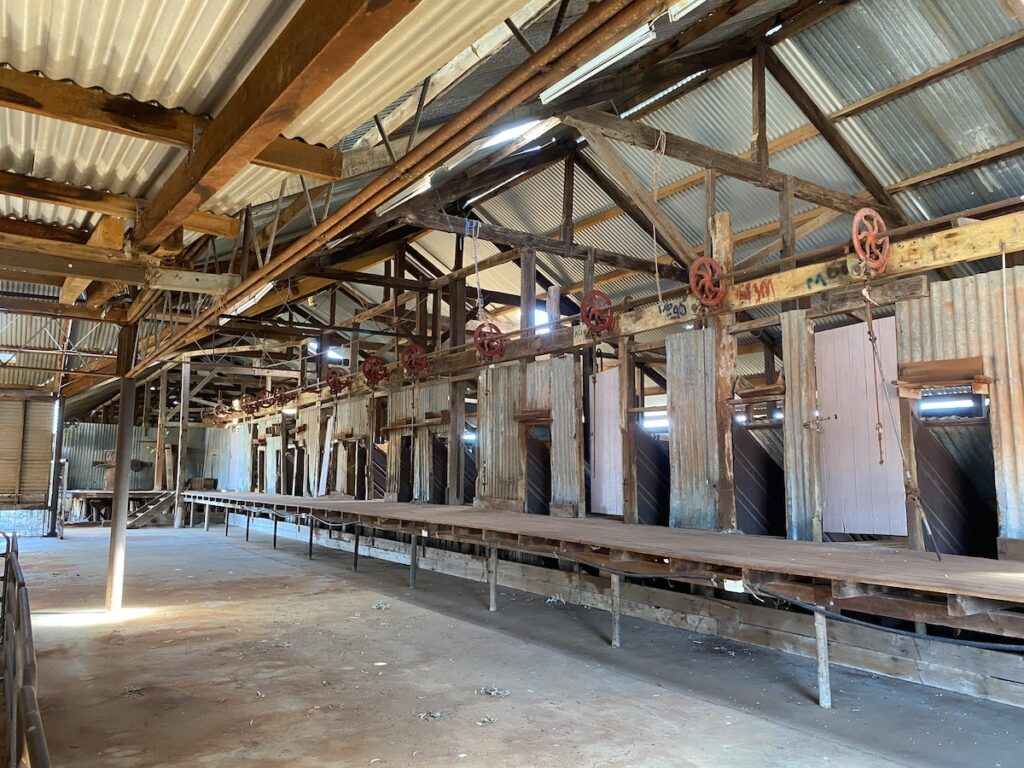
x,y
871,239
338,380
488,340
282,396
414,358
596,311
266,399
707,281
250,403
374,370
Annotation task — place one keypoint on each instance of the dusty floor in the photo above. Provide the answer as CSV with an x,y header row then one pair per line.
x,y
236,654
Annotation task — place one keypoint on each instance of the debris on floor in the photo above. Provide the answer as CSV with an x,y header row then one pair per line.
x,y
490,690
485,720
381,606
430,715
556,600
133,691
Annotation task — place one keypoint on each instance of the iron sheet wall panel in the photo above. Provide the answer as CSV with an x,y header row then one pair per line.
x,y
86,443
693,429
555,384
499,466
36,450
971,317
802,464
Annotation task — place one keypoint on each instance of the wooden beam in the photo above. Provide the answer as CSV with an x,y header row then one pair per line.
x,y
679,249
321,42
61,100
40,308
952,67
442,222
647,137
72,288
973,161
123,273
830,133
24,228
122,206
759,110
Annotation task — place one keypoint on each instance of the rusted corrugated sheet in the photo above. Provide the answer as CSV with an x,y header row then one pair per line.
x,y
555,384
972,317
499,467
693,441
802,465
85,444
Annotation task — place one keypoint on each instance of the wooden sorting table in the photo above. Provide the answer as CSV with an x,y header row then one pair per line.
x,y
964,592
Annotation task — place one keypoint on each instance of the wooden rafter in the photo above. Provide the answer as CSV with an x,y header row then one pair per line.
x,y
322,41
121,206
72,103
647,137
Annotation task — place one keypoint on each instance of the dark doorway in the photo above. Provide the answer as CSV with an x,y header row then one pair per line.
x,y
653,476
439,470
760,480
538,470
405,469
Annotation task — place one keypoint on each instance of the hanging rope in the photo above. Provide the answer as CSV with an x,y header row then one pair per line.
x,y
659,156
472,232
873,338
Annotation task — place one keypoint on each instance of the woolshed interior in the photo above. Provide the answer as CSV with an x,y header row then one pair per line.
x,y
512,383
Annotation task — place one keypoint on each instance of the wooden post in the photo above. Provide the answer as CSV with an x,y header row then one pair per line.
x,y
456,445
554,305
414,553
206,516
627,422
179,479
616,611
122,469
759,137
492,577
457,312
787,225
435,322
725,368
568,193
800,429
160,457
915,520
527,290
821,641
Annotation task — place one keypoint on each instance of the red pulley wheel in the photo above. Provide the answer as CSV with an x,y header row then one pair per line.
x,y
488,340
871,239
338,380
414,358
375,370
596,311
706,281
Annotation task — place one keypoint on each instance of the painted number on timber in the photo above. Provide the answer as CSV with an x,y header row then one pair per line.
x,y
823,277
756,290
674,310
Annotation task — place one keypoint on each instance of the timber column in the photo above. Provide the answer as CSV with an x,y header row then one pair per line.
x,y
179,475
122,467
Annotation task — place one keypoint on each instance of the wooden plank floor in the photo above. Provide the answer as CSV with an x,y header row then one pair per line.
x,y
900,569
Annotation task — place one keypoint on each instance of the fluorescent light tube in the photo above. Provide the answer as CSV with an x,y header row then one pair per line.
x,y
681,9
635,40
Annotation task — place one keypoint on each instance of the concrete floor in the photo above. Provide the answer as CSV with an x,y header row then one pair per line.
x,y
236,654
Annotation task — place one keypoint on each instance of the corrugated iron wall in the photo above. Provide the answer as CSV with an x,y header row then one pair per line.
x,y
431,397
499,466
801,439
86,444
227,457
556,384
25,450
310,419
401,405
693,437
971,317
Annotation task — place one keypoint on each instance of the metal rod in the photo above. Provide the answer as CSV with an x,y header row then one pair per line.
x,y
414,556
821,639
248,519
355,551
419,114
385,139
616,611
492,577
275,531
312,523
206,516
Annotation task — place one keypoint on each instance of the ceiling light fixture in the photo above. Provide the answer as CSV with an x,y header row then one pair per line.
x,y
637,39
